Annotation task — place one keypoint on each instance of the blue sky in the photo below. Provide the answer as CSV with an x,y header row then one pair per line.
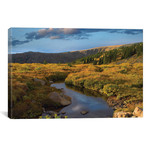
x,y
55,40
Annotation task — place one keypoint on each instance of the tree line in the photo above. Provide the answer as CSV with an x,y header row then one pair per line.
x,y
107,57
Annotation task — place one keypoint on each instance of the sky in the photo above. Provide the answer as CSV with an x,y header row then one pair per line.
x,y
56,40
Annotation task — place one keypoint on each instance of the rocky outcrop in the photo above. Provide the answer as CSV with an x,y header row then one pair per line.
x,y
84,112
59,99
63,112
116,103
50,82
122,114
138,112
40,81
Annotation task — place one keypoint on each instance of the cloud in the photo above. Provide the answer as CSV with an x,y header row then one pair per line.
x,y
70,33
67,33
62,33
54,37
126,31
133,31
122,31
17,42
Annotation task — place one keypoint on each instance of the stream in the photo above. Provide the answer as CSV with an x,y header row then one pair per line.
x,y
96,106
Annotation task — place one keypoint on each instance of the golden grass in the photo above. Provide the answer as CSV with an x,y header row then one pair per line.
x,y
125,81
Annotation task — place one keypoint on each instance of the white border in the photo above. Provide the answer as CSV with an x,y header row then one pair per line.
x,y
71,133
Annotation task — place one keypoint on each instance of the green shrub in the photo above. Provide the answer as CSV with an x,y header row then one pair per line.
x,y
79,83
51,117
44,62
26,109
68,82
38,68
99,69
94,62
93,84
70,65
111,89
30,85
57,76
137,85
124,71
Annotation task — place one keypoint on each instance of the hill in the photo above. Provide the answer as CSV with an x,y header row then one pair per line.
x,y
119,55
65,57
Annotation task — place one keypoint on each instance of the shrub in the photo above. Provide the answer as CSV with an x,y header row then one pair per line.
x,y
124,71
79,82
111,89
27,109
99,69
57,76
137,85
44,62
51,117
70,65
94,62
30,86
38,68
93,84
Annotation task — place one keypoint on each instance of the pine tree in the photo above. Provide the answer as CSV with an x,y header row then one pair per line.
x,y
44,62
94,62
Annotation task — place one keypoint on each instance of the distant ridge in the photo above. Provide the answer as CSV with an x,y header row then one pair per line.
x,y
65,57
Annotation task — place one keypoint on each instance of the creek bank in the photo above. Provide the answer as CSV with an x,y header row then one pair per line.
x,y
138,112
56,99
52,114
119,105
116,103
53,99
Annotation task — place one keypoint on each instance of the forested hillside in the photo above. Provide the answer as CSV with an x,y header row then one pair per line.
x,y
123,52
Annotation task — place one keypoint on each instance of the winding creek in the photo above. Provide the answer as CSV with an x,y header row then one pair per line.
x,y
95,106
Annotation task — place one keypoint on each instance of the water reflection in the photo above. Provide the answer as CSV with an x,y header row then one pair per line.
x,y
84,100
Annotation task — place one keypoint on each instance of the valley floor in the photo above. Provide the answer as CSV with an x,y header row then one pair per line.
x,y
121,83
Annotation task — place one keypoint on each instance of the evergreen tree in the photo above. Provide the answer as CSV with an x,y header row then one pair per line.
x,y
94,62
44,62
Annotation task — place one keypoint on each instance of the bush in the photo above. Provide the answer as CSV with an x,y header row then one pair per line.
x,y
79,82
38,68
58,76
94,62
93,84
99,69
137,85
70,65
124,71
27,109
30,86
44,62
111,89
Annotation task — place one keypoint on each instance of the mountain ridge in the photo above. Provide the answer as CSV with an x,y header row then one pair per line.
x,y
63,57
